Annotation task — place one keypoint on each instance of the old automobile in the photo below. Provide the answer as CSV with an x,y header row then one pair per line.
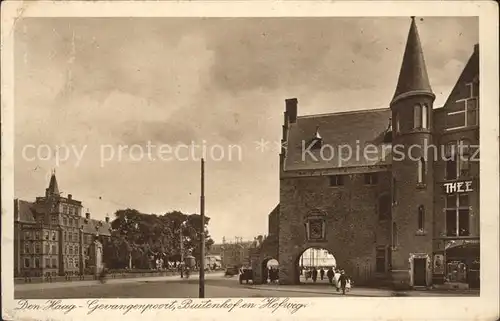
x,y
245,275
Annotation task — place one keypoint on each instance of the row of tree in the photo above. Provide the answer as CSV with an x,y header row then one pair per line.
x,y
138,239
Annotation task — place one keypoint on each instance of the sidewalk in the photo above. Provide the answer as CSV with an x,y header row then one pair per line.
x,y
363,292
69,284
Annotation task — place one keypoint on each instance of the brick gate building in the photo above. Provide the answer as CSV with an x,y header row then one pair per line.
x,y
388,212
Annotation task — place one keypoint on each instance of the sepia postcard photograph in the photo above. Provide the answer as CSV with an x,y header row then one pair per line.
x,y
267,160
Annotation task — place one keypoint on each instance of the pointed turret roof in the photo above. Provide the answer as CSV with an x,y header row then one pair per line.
x,y
413,75
53,187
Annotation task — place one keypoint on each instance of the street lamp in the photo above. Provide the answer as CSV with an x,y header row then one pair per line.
x,y
181,246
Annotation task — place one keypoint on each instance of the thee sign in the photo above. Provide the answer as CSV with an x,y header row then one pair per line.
x,y
458,187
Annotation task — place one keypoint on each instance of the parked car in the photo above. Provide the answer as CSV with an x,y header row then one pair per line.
x,y
231,271
245,275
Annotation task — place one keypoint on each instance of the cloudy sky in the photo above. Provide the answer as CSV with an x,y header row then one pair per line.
x,y
92,85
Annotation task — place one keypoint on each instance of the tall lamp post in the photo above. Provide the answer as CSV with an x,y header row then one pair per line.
x,y
181,246
202,230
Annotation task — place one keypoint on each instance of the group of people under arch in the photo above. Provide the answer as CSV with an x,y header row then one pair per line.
x,y
335,275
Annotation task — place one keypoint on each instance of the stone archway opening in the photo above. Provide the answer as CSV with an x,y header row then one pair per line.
x,y
270,270
313,264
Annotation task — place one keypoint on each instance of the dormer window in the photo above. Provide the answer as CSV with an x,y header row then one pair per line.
x,y
317,141
388,133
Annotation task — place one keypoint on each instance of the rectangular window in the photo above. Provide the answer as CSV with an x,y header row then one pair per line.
x,y
463,222
65,221
37,235
451,223
371,178
75,237
54,249
336,180
457,215
27,262
26,248
455,120
380,260
27,235
37,248
37,262
54,263
54,219
47,249
47,263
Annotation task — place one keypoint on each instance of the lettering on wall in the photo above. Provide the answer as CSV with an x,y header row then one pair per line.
x,y
458,187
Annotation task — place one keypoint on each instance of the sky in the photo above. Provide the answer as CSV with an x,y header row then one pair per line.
x,y
107,90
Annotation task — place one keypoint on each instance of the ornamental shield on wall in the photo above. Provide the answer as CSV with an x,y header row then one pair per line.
x,y
315,224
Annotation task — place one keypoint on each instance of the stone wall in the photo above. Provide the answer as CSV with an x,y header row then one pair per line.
x,y
353,228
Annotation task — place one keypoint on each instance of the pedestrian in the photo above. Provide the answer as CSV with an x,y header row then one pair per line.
x,y
322,274
329,275
343,281
336,278
314,274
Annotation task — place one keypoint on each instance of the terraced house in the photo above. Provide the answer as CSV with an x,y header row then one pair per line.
x,y
52,237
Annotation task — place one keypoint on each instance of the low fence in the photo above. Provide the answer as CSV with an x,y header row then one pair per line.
x,y
112,274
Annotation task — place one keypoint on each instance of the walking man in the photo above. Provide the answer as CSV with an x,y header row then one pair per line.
x,y
322,274
314,274
329,275
343,281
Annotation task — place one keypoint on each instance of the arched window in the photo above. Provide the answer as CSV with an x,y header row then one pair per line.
x,y
394,235
417,116
421,171
421,218
425,116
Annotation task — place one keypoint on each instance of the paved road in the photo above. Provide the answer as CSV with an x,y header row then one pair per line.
x,y
173,287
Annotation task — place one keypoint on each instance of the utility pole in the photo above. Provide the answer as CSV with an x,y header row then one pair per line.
x,y
202,216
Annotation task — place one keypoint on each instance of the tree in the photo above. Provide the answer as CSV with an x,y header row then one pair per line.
x,y
136,237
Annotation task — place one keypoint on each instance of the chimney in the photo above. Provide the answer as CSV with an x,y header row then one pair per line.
x,y
87,215
107,219
291,109
476,47
70,197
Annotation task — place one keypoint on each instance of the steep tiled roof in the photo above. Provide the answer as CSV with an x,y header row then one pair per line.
x,y
23,211
89,226
413,75
358,128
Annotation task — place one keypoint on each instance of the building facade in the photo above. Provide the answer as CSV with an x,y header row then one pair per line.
x,y
51,237
392,193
